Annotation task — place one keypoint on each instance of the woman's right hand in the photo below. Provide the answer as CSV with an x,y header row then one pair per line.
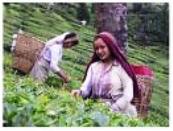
x,y
66,79
75,92
62,74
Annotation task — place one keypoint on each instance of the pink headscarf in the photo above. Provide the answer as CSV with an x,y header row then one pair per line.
x,y
112,44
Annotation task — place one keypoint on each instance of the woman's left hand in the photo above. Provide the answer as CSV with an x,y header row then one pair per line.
x,y
75,93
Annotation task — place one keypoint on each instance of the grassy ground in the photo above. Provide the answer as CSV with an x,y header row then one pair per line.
x,y
29,103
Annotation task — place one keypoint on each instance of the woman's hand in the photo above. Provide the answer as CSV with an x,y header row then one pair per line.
x,y
62,74
66,79
75,92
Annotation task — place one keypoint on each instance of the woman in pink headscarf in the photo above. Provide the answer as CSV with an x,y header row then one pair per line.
x,y
109,77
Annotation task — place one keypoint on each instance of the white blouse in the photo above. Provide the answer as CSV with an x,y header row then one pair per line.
x,y
108,82
53,51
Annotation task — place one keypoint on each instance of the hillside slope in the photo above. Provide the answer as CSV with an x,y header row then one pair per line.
x,y
28,103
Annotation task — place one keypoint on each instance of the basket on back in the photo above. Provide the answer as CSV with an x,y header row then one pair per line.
x,y
26,52
144,77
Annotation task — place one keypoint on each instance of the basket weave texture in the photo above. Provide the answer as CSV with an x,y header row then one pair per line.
x,y
144,77
26,52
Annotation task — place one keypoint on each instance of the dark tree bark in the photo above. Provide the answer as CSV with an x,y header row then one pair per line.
x,y
112,17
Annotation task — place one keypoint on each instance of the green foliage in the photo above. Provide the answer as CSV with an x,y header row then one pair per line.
x,y
54,81
30,103
82,12
151,19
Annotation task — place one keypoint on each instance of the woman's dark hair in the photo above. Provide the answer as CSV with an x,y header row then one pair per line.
x,y
71,35
116,54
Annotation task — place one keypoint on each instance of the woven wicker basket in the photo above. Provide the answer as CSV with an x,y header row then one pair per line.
x,y
144,77
26,52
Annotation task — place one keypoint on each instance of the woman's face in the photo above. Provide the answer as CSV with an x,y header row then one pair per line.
x,y
101,49
68,43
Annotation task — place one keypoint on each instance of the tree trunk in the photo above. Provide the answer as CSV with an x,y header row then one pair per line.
x,y
112,17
